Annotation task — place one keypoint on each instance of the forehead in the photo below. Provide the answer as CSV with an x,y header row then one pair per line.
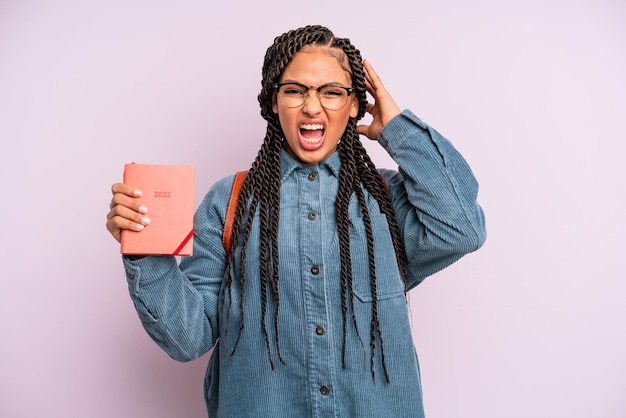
x,y
316,67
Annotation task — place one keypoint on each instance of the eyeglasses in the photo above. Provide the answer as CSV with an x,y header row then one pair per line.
x,y
331,96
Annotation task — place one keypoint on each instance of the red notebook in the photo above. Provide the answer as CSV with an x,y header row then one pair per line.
x,y
168,193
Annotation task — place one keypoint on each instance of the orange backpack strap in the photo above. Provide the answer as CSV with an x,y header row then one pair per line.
x,y
384,181
240,176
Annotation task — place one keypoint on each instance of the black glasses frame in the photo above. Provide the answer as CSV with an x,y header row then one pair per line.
x,y
349,90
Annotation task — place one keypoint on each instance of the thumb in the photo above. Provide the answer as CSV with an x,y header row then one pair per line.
x,y
366,131
362,129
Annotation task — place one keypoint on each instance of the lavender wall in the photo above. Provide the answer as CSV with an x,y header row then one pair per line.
x,y
533,93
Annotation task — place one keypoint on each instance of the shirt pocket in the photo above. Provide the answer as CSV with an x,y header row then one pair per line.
x,y
388,280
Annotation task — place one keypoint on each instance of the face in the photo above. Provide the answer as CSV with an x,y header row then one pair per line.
x,y
311,131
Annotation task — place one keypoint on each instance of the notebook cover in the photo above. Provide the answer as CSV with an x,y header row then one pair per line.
x,y
168,193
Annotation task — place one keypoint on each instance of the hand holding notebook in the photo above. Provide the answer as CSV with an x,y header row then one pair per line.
x,y
168,194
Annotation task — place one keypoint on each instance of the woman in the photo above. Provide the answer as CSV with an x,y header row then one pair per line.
x,y
308,313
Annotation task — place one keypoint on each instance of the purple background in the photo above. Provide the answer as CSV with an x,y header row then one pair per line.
x,y
533,93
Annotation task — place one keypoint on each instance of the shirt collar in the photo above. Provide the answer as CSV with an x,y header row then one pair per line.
x,y
288,165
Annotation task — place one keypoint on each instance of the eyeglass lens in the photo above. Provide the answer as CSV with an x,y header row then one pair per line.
x,y
331,97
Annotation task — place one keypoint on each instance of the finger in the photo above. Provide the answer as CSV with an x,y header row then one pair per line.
x,y
125,212
117,224
366,131
127,218
368,79
372,75
369,88
126,189
120,199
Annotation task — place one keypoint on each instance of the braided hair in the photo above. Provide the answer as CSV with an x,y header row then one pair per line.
x,y
261,192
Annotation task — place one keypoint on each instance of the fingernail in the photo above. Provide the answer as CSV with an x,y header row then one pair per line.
x,y
145,220
137,193
143,209
138,227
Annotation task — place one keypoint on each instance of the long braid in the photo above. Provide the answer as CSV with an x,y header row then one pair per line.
x,y
375,325
240,212
373,182
263,275
354,181
260,195
365,172
272,209
347,173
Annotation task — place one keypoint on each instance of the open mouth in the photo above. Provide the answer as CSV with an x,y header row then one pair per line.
x,y
311,134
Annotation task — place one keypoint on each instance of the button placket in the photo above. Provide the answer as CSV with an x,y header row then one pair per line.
x,y
318,340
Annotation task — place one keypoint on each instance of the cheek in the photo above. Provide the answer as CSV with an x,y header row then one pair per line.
x,y
285,119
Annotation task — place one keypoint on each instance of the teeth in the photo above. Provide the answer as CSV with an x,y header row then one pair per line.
x,y
312,127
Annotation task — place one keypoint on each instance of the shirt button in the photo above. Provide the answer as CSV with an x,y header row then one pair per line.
x,y
312,176
324,390
315,269
320,330
312,215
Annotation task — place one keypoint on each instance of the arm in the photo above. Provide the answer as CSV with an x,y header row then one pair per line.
x,y
178,305
434,195
171,308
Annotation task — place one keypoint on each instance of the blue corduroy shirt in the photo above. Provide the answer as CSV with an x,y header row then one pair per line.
x,y
434,196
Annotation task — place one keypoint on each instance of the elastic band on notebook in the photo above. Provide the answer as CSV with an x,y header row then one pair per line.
x,y
182,244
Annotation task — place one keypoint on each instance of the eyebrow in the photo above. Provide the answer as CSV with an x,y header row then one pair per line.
x,y
330,83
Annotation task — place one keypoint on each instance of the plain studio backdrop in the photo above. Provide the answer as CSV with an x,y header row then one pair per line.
x,y
533,93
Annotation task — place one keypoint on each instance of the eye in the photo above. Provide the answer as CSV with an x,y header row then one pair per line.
x,y
293,90
332,92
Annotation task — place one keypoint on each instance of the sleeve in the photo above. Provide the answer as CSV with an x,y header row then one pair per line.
x,y
178,304
434,195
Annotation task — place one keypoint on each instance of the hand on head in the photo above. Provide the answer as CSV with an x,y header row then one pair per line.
x,y
125,211
384,107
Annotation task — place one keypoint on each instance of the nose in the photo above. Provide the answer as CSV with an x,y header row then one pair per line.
x,y
312,104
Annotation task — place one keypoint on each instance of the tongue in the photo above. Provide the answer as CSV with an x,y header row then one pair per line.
x,y
309,134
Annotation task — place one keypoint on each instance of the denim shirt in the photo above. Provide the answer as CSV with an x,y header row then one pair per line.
x,y
434,196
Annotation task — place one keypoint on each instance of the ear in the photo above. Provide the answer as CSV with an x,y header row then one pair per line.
x,y
274,103
354,107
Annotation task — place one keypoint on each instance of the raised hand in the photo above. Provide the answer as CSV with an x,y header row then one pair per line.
x,y
384,107
125,211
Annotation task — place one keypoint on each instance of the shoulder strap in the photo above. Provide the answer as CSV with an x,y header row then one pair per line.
x,y
384,181
240,176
